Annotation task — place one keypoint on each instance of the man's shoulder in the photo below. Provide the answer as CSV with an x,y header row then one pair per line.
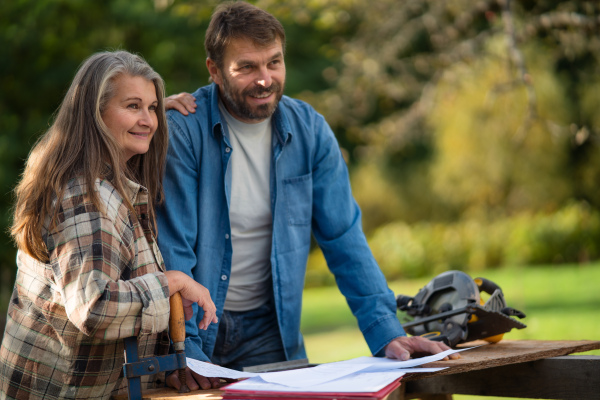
x,y
203,96
292,104
301,117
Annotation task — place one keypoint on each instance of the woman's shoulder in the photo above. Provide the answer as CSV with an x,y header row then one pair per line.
x,y
77,200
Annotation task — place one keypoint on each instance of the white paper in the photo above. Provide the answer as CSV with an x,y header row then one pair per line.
x,y
386,364
306,377
342,376
215,371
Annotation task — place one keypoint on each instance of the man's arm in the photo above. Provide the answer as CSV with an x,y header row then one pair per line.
x,y
338,230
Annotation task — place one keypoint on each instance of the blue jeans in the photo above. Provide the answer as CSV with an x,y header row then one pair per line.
x,y
248,338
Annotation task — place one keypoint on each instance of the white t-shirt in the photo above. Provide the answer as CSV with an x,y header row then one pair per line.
x,y
249,213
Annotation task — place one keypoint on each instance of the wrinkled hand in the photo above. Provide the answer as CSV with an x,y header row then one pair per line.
x,y
192,292
403,347
183,102
194,381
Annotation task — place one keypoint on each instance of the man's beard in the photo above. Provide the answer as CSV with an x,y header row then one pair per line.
x,y
238,106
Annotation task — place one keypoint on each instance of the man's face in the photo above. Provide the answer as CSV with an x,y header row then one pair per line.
x,y
252,79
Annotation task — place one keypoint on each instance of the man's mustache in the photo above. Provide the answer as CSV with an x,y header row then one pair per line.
x,y
258,90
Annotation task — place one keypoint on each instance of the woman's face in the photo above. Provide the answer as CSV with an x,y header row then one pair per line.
x,y
130,114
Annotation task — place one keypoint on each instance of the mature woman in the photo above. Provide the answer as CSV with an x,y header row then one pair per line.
x,y
89,271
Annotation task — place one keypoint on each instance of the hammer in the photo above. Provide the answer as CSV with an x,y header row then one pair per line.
x,y
177,333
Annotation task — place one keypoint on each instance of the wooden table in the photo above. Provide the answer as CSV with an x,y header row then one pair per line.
x,y
526,369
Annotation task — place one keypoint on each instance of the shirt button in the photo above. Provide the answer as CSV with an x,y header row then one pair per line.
x,y
223,277
227,236
227,149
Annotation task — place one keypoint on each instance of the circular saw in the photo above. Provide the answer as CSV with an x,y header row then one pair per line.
x,y
450,309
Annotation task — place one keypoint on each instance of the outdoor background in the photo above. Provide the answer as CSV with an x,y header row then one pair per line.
x,y
471,131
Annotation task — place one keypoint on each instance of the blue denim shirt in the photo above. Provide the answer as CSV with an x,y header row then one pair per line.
x,y
310,192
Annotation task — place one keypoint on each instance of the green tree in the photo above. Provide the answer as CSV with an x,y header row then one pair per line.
x,y
386,75
490,154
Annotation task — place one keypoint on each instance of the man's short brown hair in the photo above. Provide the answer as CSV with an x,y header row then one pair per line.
x,y
234,20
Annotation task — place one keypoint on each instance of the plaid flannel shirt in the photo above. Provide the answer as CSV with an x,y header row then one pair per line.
x,y
104,282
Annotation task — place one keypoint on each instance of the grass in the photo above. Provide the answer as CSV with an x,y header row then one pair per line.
x,y
561,303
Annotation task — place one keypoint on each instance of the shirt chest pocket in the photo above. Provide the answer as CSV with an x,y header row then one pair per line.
x,y
298,199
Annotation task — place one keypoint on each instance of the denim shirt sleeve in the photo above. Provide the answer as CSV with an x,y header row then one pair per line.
x,y
336,224
181,210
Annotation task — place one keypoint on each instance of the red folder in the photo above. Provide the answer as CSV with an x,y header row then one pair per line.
x,y
233,394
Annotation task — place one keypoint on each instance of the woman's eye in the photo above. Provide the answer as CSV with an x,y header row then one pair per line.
x,y
152,108
134,106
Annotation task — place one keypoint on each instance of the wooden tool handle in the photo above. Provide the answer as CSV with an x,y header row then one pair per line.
x,y
177,332
177,319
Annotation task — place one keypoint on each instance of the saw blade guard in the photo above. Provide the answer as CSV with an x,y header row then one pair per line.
x,y
449,291
450,309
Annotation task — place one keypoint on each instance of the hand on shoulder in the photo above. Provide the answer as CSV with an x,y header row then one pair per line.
x,y
183,102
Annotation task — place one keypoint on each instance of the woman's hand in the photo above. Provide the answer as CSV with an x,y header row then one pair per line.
x,y
183,102
192,292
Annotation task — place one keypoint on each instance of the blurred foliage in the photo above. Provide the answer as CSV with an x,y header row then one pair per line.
x,y
464,108
493,158
449,111
570,235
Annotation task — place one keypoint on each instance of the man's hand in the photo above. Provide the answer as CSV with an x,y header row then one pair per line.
x,y
194,381
183,102
403,347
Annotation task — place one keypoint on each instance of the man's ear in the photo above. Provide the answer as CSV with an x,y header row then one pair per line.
x,y
214,71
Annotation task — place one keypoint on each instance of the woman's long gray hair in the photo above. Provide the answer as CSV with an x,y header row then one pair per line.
x,y
79,143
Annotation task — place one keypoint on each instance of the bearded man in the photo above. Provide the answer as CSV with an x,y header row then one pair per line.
x,y
251,173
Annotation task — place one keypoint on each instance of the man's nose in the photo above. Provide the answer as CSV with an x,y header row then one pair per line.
x,y
264,78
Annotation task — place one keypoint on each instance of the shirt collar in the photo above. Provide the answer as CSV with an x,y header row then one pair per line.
x,y
134,191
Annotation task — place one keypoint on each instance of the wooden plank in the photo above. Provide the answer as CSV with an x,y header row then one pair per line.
x,y
567,377
504,353
171,394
